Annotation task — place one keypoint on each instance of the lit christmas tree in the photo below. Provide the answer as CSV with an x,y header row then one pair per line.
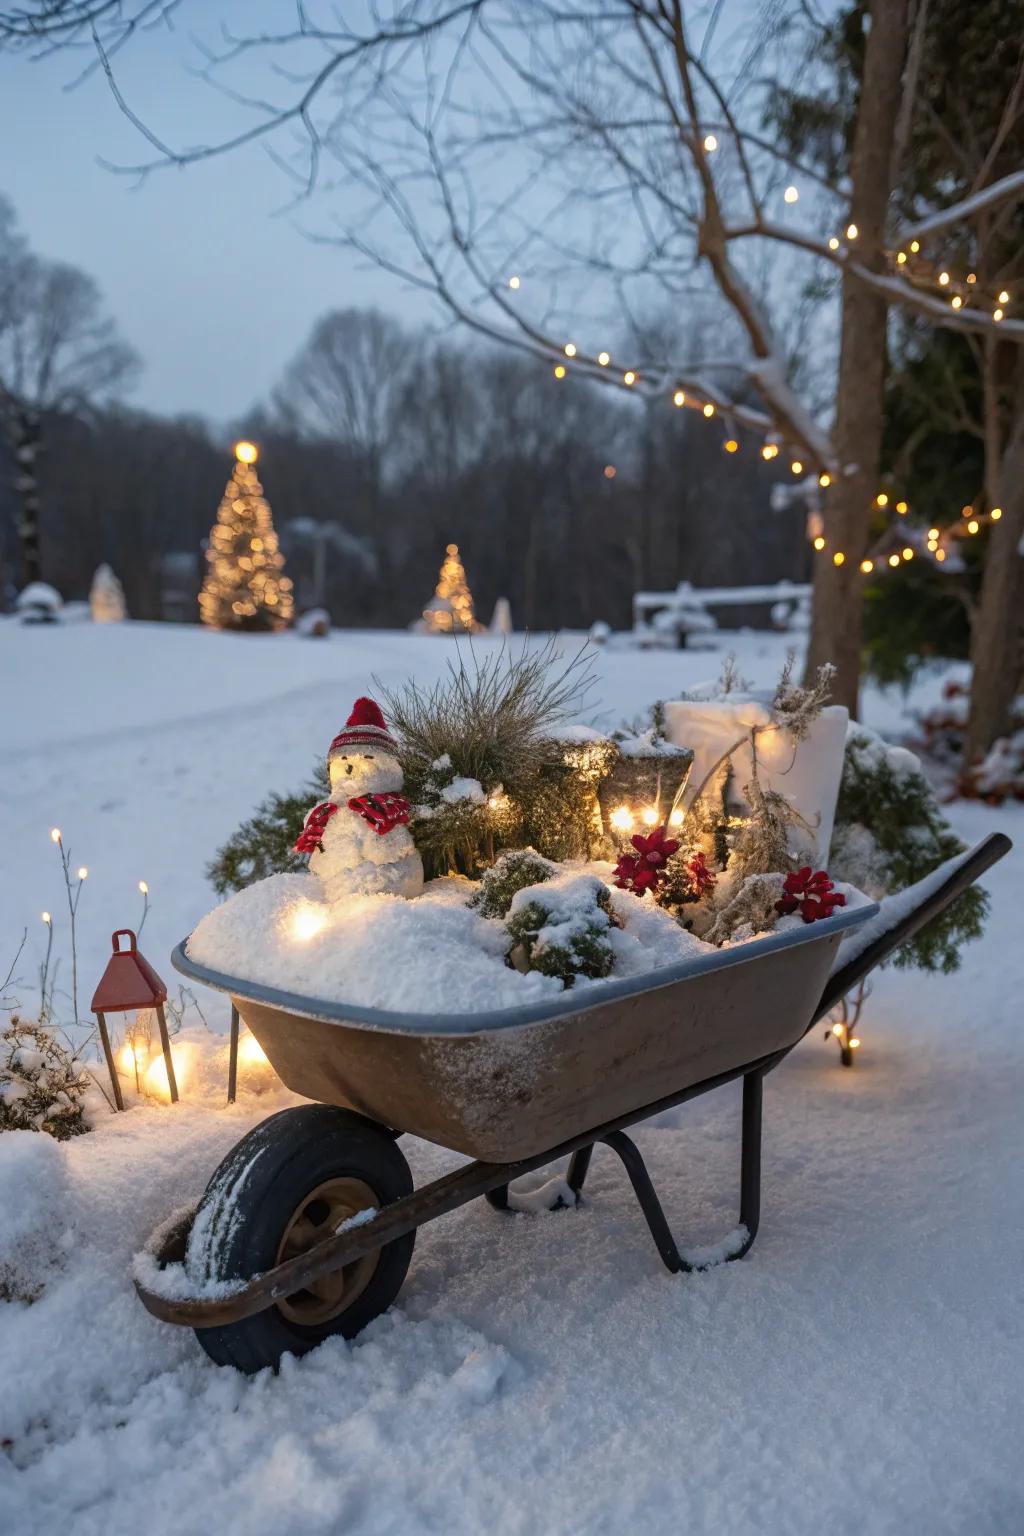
x,y
244,587
450,610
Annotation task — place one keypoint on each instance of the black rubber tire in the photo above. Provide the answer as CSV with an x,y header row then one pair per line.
x,y
251,1199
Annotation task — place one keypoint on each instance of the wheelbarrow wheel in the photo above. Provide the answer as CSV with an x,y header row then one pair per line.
x,y
285,1187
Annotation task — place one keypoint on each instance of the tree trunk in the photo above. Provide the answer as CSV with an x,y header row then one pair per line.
x,y
24,430
996,633
837,618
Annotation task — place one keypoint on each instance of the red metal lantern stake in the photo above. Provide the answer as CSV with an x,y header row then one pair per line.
x,y
130,982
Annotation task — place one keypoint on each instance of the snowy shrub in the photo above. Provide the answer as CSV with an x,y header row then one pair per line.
x,y
890,833
512,872
562,928
41,1083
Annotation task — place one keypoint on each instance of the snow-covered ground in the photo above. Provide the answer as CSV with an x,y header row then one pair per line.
x,y
858,1372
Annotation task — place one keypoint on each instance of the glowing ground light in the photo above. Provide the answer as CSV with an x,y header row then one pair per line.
x,y
649,816
251,1052
676,818
621,818
307,921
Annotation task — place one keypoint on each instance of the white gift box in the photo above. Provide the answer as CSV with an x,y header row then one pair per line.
x,y
807,772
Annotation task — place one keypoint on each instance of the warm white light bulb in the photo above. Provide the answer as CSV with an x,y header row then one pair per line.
x,y
570,349
55,834
649,816
710,143
1004,297
604,358
513,282
47,918
791,195
82,873
852,231
679,398
143,887
709,410
621,818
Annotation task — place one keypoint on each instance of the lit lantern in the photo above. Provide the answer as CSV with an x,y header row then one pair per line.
x,y
642,786
128,984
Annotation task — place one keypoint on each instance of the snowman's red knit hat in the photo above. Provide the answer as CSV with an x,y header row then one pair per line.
x,y
365,727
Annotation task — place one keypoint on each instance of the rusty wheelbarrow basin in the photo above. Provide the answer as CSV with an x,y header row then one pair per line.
x,y
507,1084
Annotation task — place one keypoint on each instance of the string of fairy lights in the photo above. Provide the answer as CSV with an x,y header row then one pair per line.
x,y
937,544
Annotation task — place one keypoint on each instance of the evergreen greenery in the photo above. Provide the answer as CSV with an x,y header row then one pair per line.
x,y
890,833
263,845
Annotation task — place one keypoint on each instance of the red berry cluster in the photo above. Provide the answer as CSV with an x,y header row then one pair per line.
x,y
645,870
810,894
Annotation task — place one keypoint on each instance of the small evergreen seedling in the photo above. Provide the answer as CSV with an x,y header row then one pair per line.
x,y
562,929
513,872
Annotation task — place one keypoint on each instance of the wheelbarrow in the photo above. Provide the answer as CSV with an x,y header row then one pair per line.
x,y
307,1227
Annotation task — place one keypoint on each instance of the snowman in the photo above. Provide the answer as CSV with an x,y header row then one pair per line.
x,y
359,841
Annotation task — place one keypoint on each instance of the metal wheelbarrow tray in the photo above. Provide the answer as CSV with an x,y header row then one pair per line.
x,y
514,1090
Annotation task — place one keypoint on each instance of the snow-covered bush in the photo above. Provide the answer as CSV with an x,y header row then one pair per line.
x,y
561,928
38,603
36,1201
890,833
511,873
42,1085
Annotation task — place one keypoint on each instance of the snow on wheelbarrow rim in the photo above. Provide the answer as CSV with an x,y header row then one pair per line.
x,y
489,1020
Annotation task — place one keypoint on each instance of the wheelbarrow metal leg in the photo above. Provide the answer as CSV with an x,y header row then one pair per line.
x,y
579,1163
629,1153
750,1167
654,1215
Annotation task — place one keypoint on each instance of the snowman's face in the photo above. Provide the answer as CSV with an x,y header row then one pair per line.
x,y
364,773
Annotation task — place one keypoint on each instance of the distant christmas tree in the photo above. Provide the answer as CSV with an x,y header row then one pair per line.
x,y
244,588
106,597
450,610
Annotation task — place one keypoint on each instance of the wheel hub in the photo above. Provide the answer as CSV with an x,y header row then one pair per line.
x,y
317,1217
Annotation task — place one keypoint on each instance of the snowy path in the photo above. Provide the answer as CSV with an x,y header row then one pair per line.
x,y
858,1372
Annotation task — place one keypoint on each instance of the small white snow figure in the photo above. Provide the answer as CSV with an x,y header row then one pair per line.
x,y
359,841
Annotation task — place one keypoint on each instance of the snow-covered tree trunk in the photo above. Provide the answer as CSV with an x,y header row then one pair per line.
x,y
996,634
24,430
837,621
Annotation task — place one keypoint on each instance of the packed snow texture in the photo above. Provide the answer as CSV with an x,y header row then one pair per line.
x,y
857,1373
431,955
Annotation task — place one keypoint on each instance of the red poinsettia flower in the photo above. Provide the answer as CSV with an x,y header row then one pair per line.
x,y
645,870
809,892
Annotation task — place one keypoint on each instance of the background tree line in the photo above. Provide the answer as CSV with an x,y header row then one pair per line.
x,y
396,443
